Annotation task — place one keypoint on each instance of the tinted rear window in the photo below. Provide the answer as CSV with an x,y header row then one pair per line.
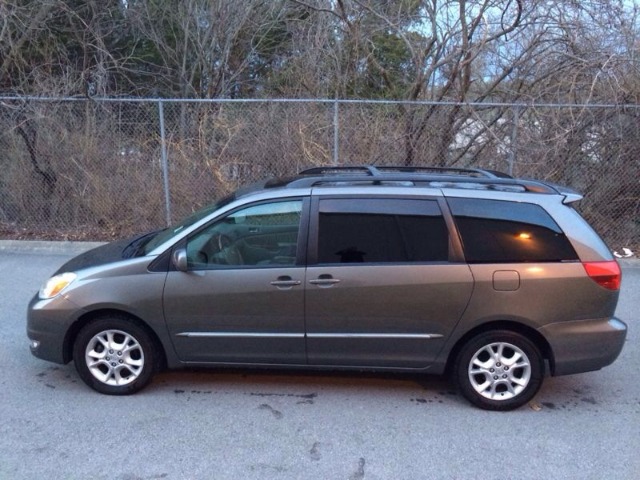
x,y
381,231
493,231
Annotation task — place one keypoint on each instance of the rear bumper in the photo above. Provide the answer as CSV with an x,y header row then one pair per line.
x,y
584,345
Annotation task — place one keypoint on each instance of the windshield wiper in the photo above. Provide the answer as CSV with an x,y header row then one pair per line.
x,y
135,247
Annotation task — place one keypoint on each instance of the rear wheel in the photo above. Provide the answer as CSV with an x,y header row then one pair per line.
x,y
114,356
499,370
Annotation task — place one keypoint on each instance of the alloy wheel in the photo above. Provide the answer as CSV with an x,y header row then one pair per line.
x,y
499,371
114,357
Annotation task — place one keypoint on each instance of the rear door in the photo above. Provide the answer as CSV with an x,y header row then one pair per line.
x,y
381,288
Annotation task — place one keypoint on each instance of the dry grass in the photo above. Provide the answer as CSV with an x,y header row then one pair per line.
x,y
106,158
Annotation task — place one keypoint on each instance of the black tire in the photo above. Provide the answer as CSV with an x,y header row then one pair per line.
x,y
499,370
122,370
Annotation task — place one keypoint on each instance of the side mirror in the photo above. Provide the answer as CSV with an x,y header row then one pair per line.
x,y
180,260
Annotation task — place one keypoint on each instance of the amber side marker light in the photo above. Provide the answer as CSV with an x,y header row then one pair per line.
x,y
56,284
605,274
524,236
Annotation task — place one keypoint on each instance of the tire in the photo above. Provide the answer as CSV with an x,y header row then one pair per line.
x,y
115,356
499,370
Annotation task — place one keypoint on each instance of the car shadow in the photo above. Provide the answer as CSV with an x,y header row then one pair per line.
x,y
419,388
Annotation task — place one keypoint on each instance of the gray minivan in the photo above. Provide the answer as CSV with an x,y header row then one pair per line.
x,y
491,279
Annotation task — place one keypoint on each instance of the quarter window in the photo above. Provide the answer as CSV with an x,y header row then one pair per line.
x,y
493,231
381,231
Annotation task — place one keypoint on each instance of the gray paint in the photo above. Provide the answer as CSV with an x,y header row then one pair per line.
x,y
376,316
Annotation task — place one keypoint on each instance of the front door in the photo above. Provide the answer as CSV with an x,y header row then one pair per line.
x,y
242,298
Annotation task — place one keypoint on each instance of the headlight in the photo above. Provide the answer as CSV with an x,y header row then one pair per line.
x,y
56,284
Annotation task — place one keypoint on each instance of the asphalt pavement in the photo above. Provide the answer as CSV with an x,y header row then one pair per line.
x,y
248,424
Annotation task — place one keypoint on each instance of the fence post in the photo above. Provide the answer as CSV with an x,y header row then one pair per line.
x,y
165,164
514,139
336,128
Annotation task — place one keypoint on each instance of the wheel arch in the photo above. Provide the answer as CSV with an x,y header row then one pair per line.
x,y
532,334
72,332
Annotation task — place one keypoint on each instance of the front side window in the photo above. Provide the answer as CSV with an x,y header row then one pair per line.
x,y
495,231
162,236
381,231
259,235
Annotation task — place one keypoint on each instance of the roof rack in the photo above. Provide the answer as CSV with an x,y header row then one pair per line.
x,y
379,171
438,177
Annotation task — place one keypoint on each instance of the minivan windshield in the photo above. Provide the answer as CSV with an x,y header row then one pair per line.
x,y
168,233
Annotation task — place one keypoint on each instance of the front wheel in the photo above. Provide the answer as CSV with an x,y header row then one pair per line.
x,y
114,356
499,370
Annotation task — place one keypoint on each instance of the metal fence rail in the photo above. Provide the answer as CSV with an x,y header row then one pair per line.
x,y
103,168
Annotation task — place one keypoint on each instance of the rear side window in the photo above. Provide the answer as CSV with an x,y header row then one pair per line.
x,y
381,231
493,231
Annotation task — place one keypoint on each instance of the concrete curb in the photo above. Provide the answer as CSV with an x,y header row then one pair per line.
x,y
46,247
76,248
629,262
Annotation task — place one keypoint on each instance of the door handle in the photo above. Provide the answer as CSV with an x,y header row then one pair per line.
x,y
324,280
285,281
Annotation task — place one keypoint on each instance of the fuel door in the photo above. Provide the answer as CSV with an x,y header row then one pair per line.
x,y
506,280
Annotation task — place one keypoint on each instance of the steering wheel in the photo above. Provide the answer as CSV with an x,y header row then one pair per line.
x,y
223,241
228,251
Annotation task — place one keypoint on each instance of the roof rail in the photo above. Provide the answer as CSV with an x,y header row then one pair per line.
x,y
378,171
437,177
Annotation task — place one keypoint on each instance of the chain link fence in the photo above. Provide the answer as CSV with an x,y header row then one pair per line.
x,y
105,168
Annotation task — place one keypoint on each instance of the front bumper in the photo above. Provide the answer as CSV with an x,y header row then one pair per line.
x,y
48,322
584,345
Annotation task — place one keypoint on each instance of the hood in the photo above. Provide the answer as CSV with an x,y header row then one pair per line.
x,y
111,252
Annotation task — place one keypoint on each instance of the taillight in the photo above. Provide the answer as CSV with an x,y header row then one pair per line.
x,y
605,274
